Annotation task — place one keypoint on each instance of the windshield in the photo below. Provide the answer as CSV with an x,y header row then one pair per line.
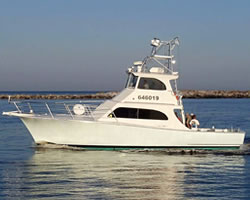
x,y
132,80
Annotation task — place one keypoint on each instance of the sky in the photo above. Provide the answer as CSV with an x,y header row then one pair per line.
x,y
77,45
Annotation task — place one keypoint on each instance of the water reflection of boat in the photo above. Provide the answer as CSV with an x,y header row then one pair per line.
x,y
53,173
148,113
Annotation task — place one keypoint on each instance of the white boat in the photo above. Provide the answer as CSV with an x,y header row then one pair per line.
x,y
148,113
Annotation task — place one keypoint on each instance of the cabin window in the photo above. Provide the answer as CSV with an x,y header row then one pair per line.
x,y
151,84
173,85
132,80
126,113
178,114
135,113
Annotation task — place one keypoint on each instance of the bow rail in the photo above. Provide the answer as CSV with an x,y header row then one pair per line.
x,y
80,110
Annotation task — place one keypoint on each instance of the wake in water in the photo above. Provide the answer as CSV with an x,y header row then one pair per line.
x,y
244,150
45,145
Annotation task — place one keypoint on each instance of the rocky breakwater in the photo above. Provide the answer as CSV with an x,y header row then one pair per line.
x,y
206,94
101,95
197,94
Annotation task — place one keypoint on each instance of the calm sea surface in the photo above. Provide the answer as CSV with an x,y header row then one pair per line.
x,y
29,172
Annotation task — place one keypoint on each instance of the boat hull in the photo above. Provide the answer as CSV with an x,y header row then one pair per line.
x,y
100,135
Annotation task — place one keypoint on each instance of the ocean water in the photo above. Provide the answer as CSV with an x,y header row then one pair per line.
x,y
57,172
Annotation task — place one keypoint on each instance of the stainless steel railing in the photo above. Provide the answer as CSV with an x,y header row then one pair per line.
x,y
63,109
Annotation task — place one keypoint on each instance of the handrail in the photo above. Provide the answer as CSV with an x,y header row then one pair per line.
x,y
162,55
49,110
67,108
61,109
18,109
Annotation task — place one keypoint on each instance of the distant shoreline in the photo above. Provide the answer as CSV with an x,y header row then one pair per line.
x,y
188,94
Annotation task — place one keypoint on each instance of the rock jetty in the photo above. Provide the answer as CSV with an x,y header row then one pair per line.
x,y
195,94
101,95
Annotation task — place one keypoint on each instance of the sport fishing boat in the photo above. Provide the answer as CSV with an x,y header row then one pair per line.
x,y
147,113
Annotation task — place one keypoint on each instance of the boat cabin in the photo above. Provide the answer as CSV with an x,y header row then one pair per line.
x,y
150,97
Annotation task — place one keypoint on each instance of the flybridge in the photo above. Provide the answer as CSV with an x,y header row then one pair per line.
x,y
161,59
158,70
